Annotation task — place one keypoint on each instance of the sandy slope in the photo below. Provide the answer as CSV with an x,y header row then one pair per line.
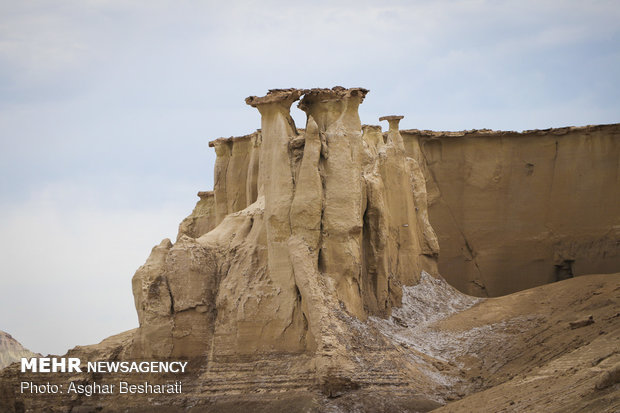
x,y
544,349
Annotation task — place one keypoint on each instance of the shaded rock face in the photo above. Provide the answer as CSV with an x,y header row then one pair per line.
x,y
11,350
299,222
518,210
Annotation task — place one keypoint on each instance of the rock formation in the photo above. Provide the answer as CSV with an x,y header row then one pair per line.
x,y
307,280
519,210
11,350
295,218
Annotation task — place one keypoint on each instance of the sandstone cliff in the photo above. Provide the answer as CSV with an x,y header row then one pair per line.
x,y
518,210
298,221
307,279
11,350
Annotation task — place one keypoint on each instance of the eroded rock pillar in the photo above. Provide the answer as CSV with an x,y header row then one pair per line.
x,y
393,133
335,112
253,181
237,173
402,240
277,128
223,152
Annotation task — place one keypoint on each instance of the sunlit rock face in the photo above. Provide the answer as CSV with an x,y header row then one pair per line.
x,y
298,221
518,210
307,279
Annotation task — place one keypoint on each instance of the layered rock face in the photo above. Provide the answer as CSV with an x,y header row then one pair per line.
x,y
299,222
11,350
518,210
307,279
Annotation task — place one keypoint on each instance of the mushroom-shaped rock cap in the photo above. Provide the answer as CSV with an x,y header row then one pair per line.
x,y
393,121
232,139
390,117
336,93
218,141
276,96
205,194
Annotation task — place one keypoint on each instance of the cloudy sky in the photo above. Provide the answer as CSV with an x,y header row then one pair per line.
x,y
106,108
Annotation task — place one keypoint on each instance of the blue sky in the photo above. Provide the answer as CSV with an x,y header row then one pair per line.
x,y
106,108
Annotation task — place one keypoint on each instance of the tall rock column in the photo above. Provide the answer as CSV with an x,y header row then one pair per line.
x,y
253,179
223,152
277,128
305,215
428,240
393,133
403,241
237,173
276,174
335,112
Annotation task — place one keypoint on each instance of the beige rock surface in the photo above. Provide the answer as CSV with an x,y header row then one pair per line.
x,y
307,279
516,353
202,219
333,220
519,210
531,359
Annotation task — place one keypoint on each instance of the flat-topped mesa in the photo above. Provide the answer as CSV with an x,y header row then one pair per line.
x,y
394,133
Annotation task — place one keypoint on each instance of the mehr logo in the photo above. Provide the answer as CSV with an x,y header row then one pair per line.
x,y
72,365
51,365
